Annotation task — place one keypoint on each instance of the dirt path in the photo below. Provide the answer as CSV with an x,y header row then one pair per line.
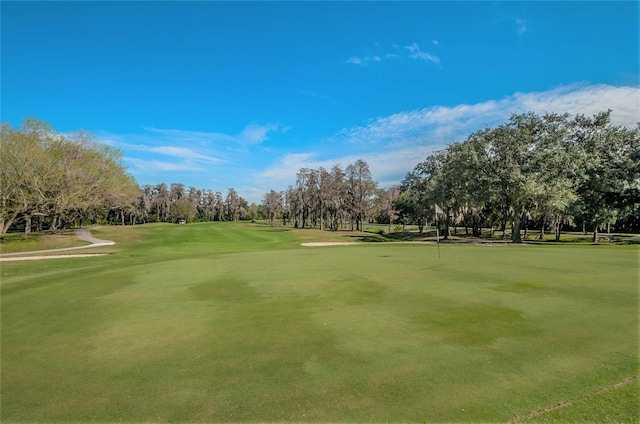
x,y
82,234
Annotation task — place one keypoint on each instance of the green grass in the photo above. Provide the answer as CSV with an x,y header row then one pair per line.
x,y
230,322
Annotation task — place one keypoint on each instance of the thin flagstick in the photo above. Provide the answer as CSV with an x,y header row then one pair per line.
x,y
437,233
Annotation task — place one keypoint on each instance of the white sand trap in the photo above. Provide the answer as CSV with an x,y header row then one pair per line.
x,y
36,258
328,243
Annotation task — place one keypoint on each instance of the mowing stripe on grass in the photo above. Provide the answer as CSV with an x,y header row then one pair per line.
x,y
571,402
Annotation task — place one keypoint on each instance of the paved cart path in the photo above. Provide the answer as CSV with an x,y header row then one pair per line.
x,y
82,234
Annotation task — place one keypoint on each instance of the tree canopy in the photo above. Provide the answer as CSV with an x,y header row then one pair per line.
x,y
550,169
48,176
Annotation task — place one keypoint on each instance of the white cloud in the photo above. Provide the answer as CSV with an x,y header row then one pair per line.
x,y
284,172
411,51
392,145
189,144
185,136
178,152
522,26
255,134
587,100
251,134
386,166
363,61
159,150
161,166
416,53
447,124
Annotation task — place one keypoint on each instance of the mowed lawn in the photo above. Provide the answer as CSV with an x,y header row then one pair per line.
x,y
227,322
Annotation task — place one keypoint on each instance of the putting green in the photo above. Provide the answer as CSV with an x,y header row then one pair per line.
x,y
232,322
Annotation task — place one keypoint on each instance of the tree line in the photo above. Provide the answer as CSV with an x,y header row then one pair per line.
x,y
325,199
174,203
53,181
545,172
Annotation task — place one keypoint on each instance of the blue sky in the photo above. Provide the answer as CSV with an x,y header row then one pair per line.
x,y
241,94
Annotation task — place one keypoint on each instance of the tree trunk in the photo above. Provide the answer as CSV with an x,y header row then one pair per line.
x,y
515,233
27,225
445,230
541,237
54,223
5,224
475,228
515,229
595,234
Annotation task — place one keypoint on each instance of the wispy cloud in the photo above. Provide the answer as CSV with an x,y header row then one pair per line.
x,y
392,145
416,53
162,166
521,25
177,152
251,134
255,134
314,95
156,150
364,60
185,136
447,124
410,52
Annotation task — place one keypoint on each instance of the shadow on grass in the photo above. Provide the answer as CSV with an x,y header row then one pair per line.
x,y
396,236
370,237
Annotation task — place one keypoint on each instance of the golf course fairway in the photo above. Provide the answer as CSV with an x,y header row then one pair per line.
x,y
227,322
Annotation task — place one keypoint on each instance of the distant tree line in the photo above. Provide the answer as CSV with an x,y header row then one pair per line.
x,y
532,172
162,203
